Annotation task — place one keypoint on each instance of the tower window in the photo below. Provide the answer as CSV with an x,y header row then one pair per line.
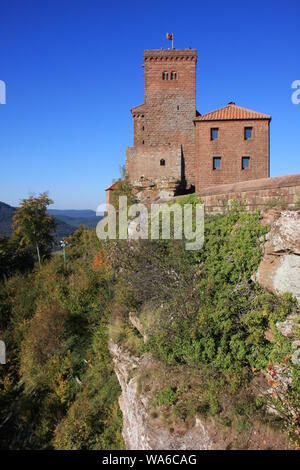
x,y
217,163
162,162
173,76
247,133
165,76
214,133
245,163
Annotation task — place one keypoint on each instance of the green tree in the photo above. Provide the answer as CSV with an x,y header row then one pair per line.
x,y
14,257
34,226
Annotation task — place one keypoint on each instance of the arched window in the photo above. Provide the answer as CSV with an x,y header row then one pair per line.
x,y
162,162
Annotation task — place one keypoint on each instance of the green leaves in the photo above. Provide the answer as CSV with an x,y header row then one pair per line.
x,y
33,227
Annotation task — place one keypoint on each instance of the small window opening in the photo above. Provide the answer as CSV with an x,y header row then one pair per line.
x,y
214,133
162,162
247,133
217,163
165,76
245,163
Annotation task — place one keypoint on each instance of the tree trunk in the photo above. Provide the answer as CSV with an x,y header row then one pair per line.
x,y
38,253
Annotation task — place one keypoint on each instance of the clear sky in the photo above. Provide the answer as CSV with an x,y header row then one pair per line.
x,y
73,71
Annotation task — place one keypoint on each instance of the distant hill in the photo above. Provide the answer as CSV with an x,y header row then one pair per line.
x,y
74,213
66,221
6,215
75,218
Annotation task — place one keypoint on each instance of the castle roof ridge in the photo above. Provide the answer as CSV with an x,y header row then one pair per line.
x,y
139,109
232,112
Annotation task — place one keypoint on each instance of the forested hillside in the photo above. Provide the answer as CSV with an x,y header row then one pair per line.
x,y
206,324
58,388
66,221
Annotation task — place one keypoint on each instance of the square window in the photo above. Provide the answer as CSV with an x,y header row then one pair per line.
x,y
214,134
165,76
162,162
248,133
245,163
217,163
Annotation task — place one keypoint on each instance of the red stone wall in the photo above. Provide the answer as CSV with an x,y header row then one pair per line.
x,y
170,105
138,129
231,147
281,191
144,161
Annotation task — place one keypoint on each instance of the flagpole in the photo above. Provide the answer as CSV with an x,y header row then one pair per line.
x,y
172,41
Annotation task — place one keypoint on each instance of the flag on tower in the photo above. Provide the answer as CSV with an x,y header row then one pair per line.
x,y
170,38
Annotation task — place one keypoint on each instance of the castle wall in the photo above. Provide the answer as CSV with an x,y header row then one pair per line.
x,y
231,147
144,162
138,129
166,117
282,191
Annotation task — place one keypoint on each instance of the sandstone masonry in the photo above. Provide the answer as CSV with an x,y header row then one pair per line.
x,y
175,148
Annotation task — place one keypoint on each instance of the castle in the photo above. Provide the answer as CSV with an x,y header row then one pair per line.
x,y
175,148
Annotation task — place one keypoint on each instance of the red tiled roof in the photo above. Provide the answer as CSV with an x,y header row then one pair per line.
x,y
231,112
138,109
112,186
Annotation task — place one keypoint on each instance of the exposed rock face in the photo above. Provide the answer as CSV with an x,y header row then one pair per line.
x,y
279,270
149,190
139,432
136,322
287,327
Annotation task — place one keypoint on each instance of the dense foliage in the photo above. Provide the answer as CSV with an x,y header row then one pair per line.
x,y
205,320
33,226
58,388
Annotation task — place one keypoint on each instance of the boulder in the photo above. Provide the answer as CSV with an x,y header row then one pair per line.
x,y
279,270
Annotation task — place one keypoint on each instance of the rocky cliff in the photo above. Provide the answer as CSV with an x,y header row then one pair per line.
x,y
279,271
140,431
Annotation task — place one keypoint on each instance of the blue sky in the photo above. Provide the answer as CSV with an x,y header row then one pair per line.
x,y
73,71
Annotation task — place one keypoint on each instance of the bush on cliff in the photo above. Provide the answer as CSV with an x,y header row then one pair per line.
x,y
206,313
58,388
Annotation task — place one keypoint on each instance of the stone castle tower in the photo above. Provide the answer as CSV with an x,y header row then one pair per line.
x,y
164,135
175,148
